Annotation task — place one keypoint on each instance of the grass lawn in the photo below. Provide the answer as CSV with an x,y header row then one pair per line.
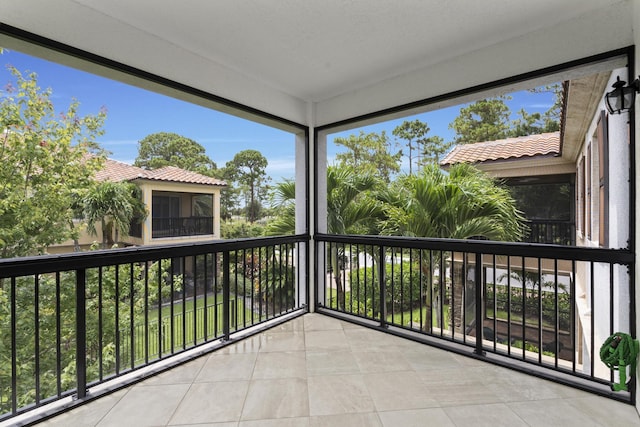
x,y
397,318
185,327
415,315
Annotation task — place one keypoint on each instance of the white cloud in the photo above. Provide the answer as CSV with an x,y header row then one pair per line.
x,y
281,168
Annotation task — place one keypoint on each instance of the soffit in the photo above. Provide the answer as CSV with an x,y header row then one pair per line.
x,y
583,96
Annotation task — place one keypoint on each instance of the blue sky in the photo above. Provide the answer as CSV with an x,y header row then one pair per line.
x,y
134,113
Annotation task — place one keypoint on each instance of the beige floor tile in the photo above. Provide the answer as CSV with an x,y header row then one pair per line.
x,y
331,363
320,371
423,358
281,341
278,422
145,406
432,417
361,338
597,408
86,415
211,402
182,374
227,367
319,322
294,325
276,398
496,415
230,424
372,340
378,361
467,394
511,386
290,364
398,390
247,345
349,325
338,394
346,420
326,340
545,413
448,374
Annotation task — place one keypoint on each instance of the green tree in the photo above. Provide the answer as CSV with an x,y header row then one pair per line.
x,y
170,149
484,120
283,196
489,119
432,149
114,205
351,209
550,120
248,170
229,195
370,151
461,204
415,133
47,161
107,293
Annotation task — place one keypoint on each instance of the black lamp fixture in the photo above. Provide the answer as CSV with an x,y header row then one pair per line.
x,y
622,97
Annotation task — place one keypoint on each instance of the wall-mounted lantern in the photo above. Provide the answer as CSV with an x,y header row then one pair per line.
x,y
622,97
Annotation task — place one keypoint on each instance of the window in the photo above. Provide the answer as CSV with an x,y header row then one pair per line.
x,y
603,175
165,207
587,195
581,196
202,205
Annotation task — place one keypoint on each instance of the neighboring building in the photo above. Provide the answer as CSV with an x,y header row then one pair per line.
x,y
589,156
541,180
182,206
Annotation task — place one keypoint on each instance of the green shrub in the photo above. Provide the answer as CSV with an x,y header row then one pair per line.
x,y
402,285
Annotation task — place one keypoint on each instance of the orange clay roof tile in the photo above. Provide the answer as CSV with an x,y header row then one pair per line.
x,y
511,148
118,171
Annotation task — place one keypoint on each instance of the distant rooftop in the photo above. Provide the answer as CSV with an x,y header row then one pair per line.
x,y
116,171
544,144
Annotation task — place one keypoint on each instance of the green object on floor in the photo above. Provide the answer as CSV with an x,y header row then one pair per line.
x,y
618,352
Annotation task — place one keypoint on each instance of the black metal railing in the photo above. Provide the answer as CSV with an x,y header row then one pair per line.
x,y
513,304
73,321
176,227
550,231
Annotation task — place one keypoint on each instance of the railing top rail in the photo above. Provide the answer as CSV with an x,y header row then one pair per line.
x,y
72,261
488,247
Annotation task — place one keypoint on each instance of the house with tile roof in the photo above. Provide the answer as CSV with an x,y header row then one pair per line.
x,y
182,206
588,156
541,180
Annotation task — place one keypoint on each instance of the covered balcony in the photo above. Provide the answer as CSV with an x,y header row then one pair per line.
x,y
181,226
316,370
316,327
221,332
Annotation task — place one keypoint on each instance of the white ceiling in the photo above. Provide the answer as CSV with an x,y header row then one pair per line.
x,y
311,50
318,49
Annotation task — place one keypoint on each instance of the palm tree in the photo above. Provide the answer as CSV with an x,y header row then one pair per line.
x,y
461,204
350,210
114,205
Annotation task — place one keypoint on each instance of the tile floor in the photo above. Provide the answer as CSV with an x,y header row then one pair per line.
x,y
318,371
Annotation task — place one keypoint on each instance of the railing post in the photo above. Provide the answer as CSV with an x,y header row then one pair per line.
x,y
383,289
81,333
479,305
226,294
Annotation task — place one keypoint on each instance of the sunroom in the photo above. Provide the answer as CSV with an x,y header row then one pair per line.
x,y
330,303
